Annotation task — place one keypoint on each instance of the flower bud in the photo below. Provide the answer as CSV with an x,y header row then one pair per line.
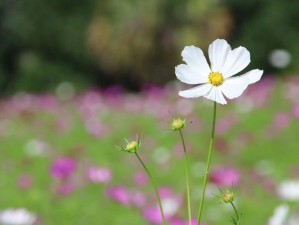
x,y
228,197
178,124
132,146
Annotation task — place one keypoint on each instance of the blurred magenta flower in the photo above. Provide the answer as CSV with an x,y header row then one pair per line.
x,y
62,168
98,175
225,176
119,194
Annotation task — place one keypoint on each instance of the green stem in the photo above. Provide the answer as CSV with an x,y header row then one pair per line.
x,y
207,167
187,177
154,186
236,212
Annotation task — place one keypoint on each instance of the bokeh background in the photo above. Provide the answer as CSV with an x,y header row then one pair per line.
x,y
77,77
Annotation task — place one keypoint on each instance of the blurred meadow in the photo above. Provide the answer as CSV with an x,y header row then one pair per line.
x,y
78,77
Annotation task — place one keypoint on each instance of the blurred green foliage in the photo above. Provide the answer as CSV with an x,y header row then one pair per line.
x,y
129,41
264,26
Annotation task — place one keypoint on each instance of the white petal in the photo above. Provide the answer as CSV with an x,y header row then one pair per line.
x,y
195,58
236,61
218,52
253,75
233,87
189,75
196,91
216,95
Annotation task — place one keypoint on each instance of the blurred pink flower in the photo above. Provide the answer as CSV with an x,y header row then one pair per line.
x,y
140,179
281,120
47,102
137,199
153,215
178,221
113,95
153,92
65,189
95,127
296,111
224,124
98,175
119,194
225,176
62,168
171,204
24,181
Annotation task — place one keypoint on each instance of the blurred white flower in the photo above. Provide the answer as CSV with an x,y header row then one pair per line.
x,y
170,206
279,216
161,155
219,79
65,91
36,147
17,217
279,58
289,190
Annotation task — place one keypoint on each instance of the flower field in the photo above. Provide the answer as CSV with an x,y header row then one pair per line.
x,y
59,165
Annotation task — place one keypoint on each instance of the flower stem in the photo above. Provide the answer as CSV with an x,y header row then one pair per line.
x,y
187,177
154,186
207,167
236,212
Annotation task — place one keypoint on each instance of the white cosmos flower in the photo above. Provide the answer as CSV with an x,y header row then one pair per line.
x,y
18,216
219,79
279,216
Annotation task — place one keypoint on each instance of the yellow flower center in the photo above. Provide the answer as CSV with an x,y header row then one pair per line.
x,y
215,78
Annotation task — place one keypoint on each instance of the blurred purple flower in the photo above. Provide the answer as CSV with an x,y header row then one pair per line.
x,y
225,176
98,175
119,194
62,168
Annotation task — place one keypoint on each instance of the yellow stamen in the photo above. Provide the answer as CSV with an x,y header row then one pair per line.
x,y
215,78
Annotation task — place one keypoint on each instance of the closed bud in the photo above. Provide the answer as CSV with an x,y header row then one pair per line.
x,y
132,146
228,197
178,124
